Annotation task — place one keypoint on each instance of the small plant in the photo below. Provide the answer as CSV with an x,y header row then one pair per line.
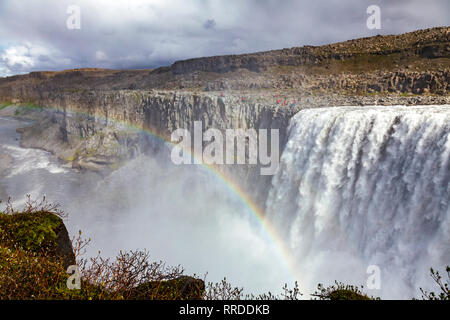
x,y
129,275
33,206
5,104
444,294
340,291
223,291
27,107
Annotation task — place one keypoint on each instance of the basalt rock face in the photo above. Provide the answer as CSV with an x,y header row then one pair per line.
x,y
429,44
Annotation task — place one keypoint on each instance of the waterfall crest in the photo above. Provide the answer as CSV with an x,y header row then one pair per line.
x,y
359,186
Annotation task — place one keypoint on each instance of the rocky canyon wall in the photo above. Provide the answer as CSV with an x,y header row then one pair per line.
x,y
98,129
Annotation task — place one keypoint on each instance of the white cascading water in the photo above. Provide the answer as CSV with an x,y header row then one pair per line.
x,y
360,186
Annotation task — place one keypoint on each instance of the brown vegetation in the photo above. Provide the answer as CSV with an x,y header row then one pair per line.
x,y
33,266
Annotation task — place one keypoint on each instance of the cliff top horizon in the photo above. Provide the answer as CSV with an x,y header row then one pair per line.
x,y
356,45
334,68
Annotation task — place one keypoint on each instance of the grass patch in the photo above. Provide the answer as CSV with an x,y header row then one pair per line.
x,y
27,107
73,157
5,104
138,96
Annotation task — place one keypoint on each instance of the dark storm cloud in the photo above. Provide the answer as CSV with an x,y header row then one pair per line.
x,y
145,34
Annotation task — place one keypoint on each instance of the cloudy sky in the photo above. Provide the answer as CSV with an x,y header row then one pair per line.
x,y
34,34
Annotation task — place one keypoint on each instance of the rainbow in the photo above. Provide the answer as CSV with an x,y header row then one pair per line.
x,y
252,207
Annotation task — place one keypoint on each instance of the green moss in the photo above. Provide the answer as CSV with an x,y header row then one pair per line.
x,y
5,104
74,156
27,107
347,295
28,275
138,96
29,267
340,291
30,231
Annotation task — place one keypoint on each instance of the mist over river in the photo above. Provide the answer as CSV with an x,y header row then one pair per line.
x,y
183,215
355,187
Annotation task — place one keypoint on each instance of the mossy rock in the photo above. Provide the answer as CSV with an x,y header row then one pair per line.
x,y
341,291
39,232
183,288
5,104
346,295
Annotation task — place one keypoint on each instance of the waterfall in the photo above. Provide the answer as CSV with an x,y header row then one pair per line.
x,y
360,186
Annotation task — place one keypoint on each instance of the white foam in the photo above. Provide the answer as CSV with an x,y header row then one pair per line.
x,y
27,160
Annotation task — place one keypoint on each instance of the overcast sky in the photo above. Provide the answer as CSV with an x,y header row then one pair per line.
x,y
150,33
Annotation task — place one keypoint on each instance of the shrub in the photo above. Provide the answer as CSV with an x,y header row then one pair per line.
x,y
35,251
30,275
444,293
340,291
33,264
5,104
131,275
